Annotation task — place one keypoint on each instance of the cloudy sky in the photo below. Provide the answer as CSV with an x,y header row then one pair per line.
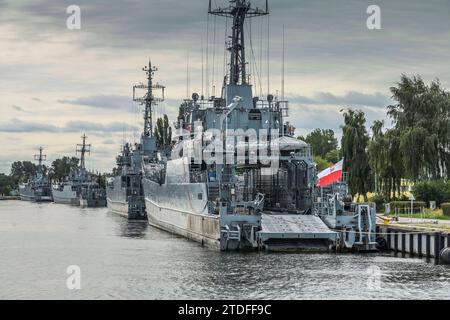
x,y
58,83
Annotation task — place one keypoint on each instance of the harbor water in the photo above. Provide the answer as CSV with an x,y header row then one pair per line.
x,y
119,259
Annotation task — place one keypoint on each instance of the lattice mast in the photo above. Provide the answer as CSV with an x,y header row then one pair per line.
x,y
238,10
40,157
82,149
149,100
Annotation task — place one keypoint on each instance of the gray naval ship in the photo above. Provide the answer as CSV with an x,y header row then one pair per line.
x,y
237,178
81,187
125,194
38,187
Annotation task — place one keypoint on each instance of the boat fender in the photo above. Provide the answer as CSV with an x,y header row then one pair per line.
x,y
445,256
381,244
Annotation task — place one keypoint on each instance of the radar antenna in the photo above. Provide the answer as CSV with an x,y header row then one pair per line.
x,y
238,10
40,157
148,100
83,149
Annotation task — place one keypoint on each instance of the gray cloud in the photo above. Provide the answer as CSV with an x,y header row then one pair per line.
x,y
15,125
108,141
18,126
351,98
326,40
17,108
102,101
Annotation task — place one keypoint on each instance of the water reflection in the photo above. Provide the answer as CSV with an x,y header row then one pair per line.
x,y
131,260
129,228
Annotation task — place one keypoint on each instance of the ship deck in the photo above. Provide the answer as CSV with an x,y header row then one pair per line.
x,y
292,232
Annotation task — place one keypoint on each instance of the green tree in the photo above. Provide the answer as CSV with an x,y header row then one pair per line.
x,y
102,181
333,156
354,150
436,190
421,118
6,184
385,160
61,168
322,142
321,164
22,171
163,132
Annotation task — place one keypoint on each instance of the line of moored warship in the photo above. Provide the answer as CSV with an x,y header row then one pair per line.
x,y
233,177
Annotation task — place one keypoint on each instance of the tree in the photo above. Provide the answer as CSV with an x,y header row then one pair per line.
x,y
116,171
22,171
102,180
321,164
421,118
6,184
354,150
163,132
385,160
61,168
333,156
322,141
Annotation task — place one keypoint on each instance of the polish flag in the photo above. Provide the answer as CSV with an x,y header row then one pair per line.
x,y
330,175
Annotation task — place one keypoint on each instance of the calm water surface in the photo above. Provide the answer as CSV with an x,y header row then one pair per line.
x,y
130,260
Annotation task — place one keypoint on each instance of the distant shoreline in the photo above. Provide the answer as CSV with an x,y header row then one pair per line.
x,y
10,198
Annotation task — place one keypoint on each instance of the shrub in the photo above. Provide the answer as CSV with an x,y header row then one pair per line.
x,y
445,209
431,191
407,204
379,201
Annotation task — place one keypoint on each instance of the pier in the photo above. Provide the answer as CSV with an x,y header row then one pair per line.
x,y
414,240
9,198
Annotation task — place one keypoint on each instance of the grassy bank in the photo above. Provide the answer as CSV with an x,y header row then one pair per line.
x,y
428,214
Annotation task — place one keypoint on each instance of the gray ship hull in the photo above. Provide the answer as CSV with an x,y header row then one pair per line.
x,y
68,196
29,194
65,196
118,207
178,210
124,200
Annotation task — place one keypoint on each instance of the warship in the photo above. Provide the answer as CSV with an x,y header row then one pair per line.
x,y
38,187
237,178
125,194
80,187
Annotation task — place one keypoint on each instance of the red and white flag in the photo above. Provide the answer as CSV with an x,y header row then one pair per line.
x,y
330,175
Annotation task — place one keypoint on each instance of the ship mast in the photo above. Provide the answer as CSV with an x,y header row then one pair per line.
x,y
40,158
149,100
83,149
238,10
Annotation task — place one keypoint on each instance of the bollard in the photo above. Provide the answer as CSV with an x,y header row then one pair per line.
x,y
444,256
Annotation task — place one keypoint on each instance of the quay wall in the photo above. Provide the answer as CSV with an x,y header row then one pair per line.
x,y
427,244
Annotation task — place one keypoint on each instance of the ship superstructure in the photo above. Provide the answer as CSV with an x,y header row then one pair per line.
x,y
81,187
236,177
38,187
125,193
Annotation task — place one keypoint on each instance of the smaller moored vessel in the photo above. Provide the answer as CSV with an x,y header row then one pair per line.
x,y
81,187
38,187
125,193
